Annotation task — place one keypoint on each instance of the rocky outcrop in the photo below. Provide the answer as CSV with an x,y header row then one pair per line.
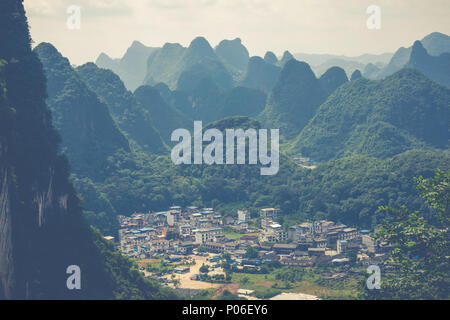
x,y
37,202
234,53
260,75
332,79
6,247
436,68
271,58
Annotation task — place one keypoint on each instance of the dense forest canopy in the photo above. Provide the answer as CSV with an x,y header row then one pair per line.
x,y
356,135
78,148
43,230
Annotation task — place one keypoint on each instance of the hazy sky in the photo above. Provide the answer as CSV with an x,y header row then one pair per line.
x,y
308,26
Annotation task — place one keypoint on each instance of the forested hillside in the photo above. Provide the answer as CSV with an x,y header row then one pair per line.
x,y
131,68
435,43
136,121
379,118
436,68
89,134
296,97
43,231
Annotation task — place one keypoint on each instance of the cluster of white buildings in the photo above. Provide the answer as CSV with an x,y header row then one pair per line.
x,y
171,231
180,230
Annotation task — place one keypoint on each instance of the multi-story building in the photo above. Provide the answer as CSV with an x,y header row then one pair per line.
x,y
173,216
273,233
368,241
215,247
348,234
243,216
341,246
207,235
160,245
322,226
299,231
161,218
185,230
191,209
269,213
320,242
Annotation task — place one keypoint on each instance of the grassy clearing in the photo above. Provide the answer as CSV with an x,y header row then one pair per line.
x,y
311,283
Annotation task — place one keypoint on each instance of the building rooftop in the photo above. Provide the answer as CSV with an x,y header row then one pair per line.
x,y
284,246
317,249
245,292
146,229
305,224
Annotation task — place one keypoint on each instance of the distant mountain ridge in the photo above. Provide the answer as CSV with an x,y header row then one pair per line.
x,y
234,53
134,120
320,63
164,117
379,118
143,65
434,67
173,62
89,134
260,74
435,43
319,59
297,95
131,68
43,231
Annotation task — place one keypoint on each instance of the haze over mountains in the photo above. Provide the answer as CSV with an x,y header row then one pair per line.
x,y
379,118
435,43
143,64
339,115
88,131
43,230
180,84
131,67
322,62
82,144
296,97
435,67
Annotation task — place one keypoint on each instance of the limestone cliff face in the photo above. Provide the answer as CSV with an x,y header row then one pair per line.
x,y
42,231
6,247
36,198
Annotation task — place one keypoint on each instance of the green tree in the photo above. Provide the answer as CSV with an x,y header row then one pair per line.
x,y
227,295
421,247
201,249
244,281
204,268
352,256
251,253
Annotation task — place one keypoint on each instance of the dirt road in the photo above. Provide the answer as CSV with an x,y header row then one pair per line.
x,y
185,279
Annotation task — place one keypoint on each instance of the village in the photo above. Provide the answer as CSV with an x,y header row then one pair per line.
x,y
190,244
